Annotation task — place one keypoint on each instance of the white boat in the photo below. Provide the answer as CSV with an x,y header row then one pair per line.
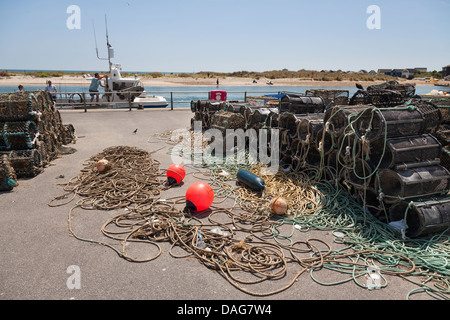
x,y
126,92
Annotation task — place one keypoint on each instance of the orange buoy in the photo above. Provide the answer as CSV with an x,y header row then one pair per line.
x,y
199,196
103,165
175,173
278,205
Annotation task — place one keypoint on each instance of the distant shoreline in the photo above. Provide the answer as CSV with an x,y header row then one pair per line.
x,y
174,81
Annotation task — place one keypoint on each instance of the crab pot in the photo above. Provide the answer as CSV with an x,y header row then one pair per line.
x,y
376,124
406,152
330,96
297,148
260,118
423,217
313,157
21,106
26,163
339,117
385,98
289,122
324,141
348,147
227,120
285,141
309,126
413,182
445,159
301,104
19,135
360,175
7,174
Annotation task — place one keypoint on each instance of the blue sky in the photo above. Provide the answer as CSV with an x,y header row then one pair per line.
x,y
225,36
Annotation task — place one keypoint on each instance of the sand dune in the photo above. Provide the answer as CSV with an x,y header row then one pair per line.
x,y
170,81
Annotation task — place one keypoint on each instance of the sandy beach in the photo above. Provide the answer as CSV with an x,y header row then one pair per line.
x,y
174,81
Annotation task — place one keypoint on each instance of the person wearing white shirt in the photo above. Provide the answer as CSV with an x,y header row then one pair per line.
x,y
20,88
52,89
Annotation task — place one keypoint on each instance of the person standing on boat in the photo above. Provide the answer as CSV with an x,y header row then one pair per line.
x,y
52,89
93,88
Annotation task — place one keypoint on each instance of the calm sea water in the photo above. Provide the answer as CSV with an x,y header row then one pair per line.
x,y
183,95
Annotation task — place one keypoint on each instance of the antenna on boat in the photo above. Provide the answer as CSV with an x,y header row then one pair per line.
x,y
110,48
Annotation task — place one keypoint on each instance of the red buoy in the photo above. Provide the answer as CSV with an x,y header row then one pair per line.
x,y
199,196
175,173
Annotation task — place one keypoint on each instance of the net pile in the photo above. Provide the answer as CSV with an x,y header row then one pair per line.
x,y
31,131
242,243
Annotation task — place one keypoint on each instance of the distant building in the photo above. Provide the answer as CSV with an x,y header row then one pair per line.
x,y
372,72
383,71
407,73
395,73
446,71
421,70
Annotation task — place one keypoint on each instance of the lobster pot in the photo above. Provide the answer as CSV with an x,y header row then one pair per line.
x,y
67,133
445,159
349,148
406,152
301,105
227,120
19,135
237,107
360,176
375,124
21,106
337,97
26,163
338,118
377,97
415,182
309,126
423,217
406,90
385,99
289,121
262,117
325,142
7,174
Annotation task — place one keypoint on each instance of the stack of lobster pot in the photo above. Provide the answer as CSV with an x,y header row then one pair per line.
x,y
203,111
31,131
300,121
391,163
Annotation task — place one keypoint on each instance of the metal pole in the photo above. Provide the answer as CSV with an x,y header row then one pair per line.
x,y
171,100
129,100
84,102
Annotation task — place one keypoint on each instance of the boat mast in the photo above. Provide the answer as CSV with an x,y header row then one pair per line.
x,y
109,47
